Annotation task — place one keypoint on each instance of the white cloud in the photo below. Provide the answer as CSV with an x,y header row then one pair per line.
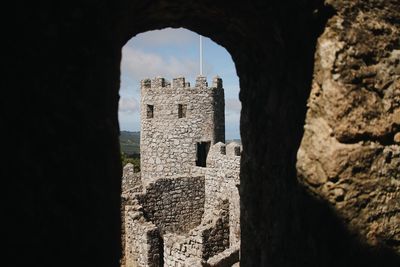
x,y
129,122
166,36
138,65
232,117
233,105
171,53
128,105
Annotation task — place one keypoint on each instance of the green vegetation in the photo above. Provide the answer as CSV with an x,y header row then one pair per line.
x,y
130,142
131,159
130,149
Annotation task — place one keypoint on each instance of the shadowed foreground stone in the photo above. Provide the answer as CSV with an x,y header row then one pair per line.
x,y
349,154
60,112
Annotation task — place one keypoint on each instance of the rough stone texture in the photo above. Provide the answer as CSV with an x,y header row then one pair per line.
x,y
174,205
61,154
145,247
131,181
216,239
205,241
182,249
168,143
192,231
222,183
349,155
197,215
227,258
131,186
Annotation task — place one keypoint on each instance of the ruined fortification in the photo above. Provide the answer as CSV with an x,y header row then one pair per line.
x,y
178,125
183,208
336,204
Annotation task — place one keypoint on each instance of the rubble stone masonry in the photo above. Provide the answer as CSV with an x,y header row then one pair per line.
x,y
182,210
168,143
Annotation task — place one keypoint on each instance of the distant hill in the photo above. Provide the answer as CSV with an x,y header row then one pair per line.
x,y
130,142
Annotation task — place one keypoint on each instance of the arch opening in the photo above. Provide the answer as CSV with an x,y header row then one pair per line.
x,y
71,100
271,81
183,205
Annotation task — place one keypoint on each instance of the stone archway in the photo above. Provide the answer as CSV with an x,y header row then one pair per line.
x,y
279,69
74,61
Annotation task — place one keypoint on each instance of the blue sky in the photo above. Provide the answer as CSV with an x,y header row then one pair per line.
x,y
170,53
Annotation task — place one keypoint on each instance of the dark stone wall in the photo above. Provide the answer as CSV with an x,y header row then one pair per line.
x,y
62,156
62,166
216,239
174,205
349,155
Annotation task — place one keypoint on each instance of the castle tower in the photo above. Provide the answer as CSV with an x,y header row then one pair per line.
x,y
179,123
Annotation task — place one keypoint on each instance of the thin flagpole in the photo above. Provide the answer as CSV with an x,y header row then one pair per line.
x,y
201,56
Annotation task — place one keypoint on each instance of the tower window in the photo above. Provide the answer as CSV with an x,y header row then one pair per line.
x,y
150,111
182,110
202,149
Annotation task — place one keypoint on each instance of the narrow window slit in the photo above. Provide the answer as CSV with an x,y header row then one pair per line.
x,y
182,110
150,111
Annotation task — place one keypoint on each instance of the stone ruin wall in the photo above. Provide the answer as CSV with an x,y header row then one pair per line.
x,y
168,143
350,152
166,206
216,238
197,217
131,180
176,213
144,247
228,258
174,205
216,242
131,185
201,243
222,183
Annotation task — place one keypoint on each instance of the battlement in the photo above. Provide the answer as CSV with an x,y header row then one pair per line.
x,y
223,156
178,124
189,180
233,149
179,83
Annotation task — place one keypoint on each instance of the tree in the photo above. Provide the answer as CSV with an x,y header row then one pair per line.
x,y
134,160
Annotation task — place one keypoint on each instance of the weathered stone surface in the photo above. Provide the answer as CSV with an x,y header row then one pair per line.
x,y
208,239
174,205
144,247
228,258
65,81
168,141
131,181
195,209
349,155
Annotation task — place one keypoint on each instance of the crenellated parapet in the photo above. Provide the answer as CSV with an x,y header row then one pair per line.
x,y
188,186
180,83
178,124
223,156
222,181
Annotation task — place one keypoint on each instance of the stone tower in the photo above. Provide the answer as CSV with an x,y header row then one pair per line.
x,y
179,123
